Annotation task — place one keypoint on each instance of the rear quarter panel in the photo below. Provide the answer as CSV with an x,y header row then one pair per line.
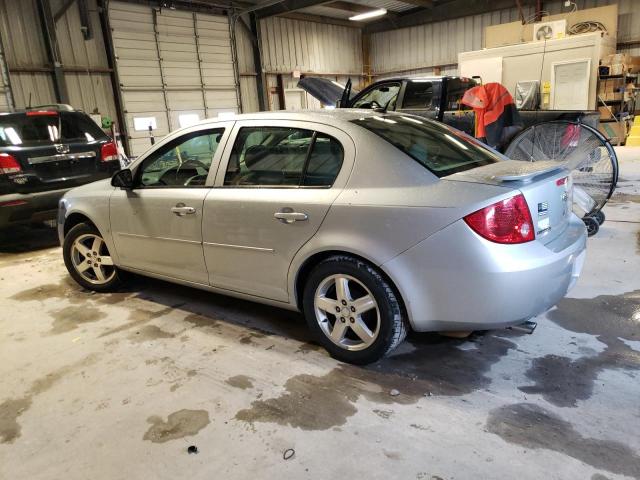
x,y
390,204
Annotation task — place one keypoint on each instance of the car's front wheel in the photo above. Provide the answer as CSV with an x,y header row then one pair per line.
x,y
352,310
88,260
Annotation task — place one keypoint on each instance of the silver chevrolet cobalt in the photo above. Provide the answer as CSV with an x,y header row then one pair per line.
x,y
370,223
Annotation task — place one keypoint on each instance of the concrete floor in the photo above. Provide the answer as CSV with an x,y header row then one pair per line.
x,y
118,386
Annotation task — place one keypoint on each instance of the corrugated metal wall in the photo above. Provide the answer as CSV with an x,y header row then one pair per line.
x,y
92,92
310,47
20,30
172,65
438,43
246,69
25,52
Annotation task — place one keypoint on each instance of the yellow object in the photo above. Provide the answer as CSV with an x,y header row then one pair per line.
x,y
546,93
633,140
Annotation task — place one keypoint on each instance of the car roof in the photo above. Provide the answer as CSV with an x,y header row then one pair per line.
x,y
324,115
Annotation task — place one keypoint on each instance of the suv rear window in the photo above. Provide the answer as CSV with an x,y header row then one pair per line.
x,y
442,150
35,130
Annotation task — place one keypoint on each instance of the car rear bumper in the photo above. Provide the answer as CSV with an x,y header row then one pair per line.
x,y
17,208
456,280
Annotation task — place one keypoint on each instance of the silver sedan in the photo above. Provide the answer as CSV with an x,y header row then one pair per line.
x,y
370,223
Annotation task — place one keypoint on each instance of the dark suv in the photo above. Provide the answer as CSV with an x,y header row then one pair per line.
x,y
45,151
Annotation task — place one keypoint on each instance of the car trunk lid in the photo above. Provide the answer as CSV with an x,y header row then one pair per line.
x,y
545,185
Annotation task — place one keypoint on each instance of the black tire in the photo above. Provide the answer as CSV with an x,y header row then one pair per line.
x,y
86,229
599,216
393,326
592,225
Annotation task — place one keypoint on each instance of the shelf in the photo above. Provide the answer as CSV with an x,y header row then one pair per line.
x,y
620,76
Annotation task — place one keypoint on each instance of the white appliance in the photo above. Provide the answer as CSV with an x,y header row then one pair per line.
x,y
549,30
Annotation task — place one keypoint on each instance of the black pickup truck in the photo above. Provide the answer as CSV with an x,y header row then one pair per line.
x,y
437,98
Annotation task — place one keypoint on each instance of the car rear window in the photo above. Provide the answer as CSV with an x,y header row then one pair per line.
x,y
437,147
35,130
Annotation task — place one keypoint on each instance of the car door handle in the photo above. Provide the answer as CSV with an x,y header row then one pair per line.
x,y
291,217
181,210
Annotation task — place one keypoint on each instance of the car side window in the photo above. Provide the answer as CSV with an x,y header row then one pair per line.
x,y
183,162
268,156
324,162
283,156
456,89
384,95
418,95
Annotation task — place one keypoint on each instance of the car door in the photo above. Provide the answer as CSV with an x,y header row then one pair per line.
x,y
157,226
273,190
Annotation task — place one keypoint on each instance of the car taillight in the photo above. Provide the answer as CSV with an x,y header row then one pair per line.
x,y
109,152
506,221
41,113
9,164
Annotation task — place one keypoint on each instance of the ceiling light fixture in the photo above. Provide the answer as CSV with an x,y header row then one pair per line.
x,y
367,15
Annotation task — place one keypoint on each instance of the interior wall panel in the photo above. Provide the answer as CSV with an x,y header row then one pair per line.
x,y
25,50
310,47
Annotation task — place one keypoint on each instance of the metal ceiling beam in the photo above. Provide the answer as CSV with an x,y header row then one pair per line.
x,y
287,6
306,17
446,10
419,3
349,7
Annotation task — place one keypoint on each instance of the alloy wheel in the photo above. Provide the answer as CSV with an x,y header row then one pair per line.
x,y
91,259
347,312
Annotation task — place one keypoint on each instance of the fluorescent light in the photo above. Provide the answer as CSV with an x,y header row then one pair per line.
x,y
367,15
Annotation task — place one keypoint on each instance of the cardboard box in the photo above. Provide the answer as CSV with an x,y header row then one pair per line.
x,y
612,96
608,112
615,132
621,63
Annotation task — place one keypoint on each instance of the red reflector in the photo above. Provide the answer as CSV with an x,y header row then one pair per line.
x,y
37,113
506,221
9,164
13,203
561,181
109,152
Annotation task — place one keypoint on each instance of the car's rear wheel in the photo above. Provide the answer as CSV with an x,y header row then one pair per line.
x,y
88,260
352,310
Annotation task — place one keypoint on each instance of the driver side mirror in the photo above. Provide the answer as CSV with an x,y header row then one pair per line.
x,y
122,179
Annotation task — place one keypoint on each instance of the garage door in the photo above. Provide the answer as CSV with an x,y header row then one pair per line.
x,y
174,68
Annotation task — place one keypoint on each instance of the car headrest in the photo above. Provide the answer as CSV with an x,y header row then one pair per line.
x,y
254,154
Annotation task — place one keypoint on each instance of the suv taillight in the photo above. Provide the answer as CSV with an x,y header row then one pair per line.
x,y
109,152
506,221
9,164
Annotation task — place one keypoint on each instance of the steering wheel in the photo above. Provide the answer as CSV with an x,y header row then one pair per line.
x,y
190,179
196,163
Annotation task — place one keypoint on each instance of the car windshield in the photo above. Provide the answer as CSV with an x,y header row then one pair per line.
x,y
437,147
45,129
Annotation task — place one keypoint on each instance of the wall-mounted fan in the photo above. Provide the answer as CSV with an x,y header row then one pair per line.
x,y
549,30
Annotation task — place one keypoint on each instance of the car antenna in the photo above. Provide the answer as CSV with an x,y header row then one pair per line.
x,y
29,99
